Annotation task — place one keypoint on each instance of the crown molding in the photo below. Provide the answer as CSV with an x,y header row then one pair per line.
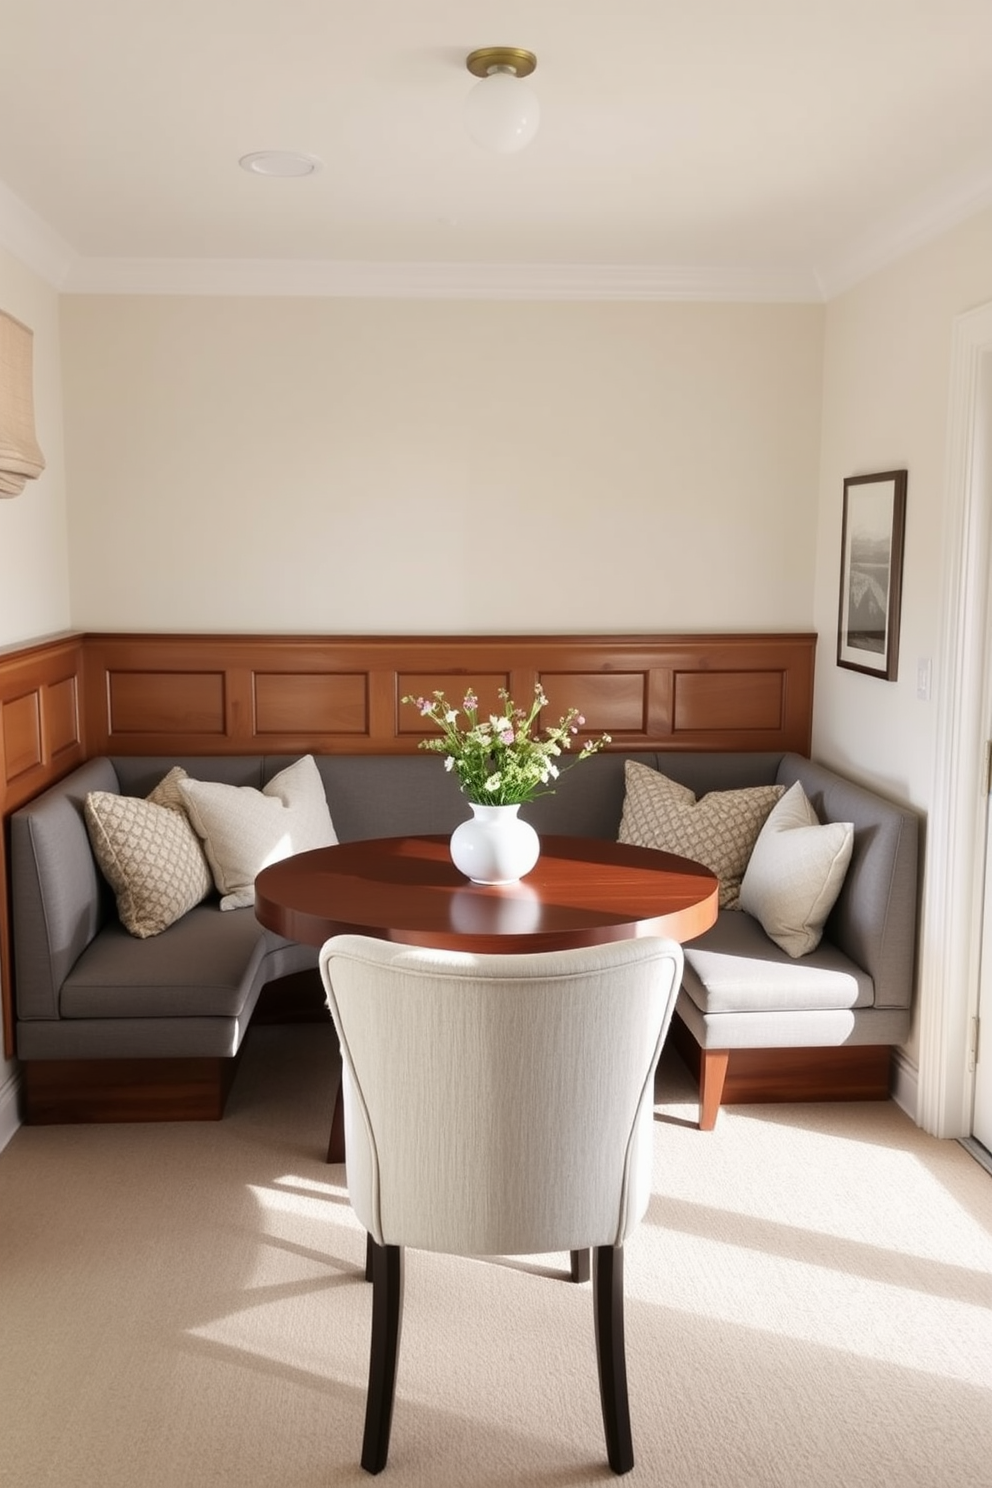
x,y
452,281
29,238
929,219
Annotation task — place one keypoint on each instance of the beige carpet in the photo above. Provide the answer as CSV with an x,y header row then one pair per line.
x,y
809,1305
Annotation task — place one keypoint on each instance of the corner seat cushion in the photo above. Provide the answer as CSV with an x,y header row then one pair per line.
x,y
205,965
733,967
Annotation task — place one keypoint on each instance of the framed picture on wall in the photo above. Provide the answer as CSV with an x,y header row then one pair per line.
x,y
871,573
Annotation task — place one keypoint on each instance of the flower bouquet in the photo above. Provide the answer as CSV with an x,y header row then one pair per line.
x,y
500,760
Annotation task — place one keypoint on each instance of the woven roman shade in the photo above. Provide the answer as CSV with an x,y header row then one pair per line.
x,y
20,457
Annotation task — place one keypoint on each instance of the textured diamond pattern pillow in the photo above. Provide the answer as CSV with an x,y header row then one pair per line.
x,y
719,830
796,872
149,854
244,829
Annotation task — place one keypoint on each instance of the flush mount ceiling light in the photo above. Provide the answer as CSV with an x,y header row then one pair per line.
x,y
279,163
501,112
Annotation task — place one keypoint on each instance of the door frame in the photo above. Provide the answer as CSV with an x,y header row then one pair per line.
x,y
953,891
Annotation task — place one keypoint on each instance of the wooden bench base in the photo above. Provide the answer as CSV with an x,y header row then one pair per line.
x,y
847,1072
87,1090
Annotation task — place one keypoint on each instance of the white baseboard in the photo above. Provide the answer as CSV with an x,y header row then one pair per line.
x,y
905,1085
9,1115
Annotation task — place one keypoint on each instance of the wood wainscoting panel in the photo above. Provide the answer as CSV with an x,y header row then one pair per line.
x,y
714,701
615,703
166,702
741,693
342,694
62,713
21,719
298,702
41,724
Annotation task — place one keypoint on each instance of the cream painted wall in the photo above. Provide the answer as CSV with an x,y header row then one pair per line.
x,y
332,465
34,577
886,388
34,574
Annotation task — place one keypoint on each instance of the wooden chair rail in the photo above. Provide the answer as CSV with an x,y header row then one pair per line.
x,y
70,697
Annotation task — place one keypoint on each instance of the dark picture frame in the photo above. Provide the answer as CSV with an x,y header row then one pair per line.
x,y
871,573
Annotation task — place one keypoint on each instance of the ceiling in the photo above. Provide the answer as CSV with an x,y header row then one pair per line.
x,y
687,148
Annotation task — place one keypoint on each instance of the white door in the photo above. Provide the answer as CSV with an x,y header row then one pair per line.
x,y
981,1032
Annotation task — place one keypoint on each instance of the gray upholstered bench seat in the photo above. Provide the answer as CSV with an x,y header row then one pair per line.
x,y
188,992
735,969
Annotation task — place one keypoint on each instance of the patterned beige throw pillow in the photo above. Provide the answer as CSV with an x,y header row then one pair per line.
x,y
719,830
244,829
149,854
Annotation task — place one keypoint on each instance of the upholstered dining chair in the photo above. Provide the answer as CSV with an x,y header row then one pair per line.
x,y
499,1105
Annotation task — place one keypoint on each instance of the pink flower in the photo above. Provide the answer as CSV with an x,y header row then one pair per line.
x,y
506,737
471,701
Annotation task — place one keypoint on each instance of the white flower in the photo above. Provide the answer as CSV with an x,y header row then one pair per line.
x,y
449,762
451,716
493,783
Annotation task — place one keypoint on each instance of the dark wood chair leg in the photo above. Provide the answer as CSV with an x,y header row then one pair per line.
x,y
611,1355
579,1265
712,1073
369,1247
387,1322
335,1147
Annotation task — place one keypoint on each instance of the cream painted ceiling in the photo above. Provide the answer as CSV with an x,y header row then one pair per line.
x,y
776,148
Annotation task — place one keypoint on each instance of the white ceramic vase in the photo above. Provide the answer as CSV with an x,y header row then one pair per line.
x,y
495,846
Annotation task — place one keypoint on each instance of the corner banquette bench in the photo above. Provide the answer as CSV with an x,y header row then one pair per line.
x,y
113,1027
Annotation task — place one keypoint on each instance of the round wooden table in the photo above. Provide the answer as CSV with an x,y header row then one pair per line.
x,y
581,892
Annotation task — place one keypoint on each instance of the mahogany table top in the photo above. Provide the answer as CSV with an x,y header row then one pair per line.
x,y
582,891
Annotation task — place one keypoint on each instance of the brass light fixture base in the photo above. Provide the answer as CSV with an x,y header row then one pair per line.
x,y
486,60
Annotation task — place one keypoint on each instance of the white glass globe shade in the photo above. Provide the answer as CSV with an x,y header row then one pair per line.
x,y
502,113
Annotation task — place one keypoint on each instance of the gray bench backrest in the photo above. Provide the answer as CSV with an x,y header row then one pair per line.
x,y
60,898
874,919
405,795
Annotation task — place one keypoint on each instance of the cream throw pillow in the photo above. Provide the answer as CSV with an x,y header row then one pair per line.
x,y
244,829
149,854
796,872
719,830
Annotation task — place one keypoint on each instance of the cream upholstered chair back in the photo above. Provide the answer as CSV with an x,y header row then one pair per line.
x,y
499,1104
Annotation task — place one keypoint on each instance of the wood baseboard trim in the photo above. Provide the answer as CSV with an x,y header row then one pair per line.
x,y
55,1091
